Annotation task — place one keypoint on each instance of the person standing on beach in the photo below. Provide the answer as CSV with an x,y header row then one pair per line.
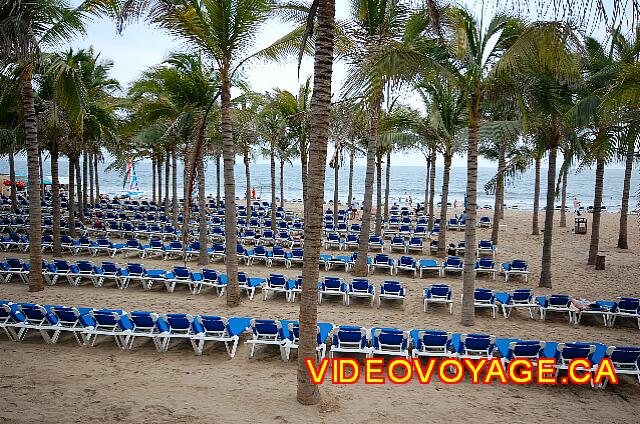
x,y
253,193
576,204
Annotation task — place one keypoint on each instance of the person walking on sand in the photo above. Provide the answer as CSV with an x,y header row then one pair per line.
x,y
576,205
253,193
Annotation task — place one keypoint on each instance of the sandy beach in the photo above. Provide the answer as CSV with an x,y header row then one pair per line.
x,y
66,383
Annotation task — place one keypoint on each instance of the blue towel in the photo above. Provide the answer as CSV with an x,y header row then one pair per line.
x,y
502,297
237,326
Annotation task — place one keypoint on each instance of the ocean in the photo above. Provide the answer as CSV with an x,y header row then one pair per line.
x,y
405,181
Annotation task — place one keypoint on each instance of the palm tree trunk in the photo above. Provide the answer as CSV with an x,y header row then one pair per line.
x,y
97,178
563,201
12,178
597,212
247,174
304,166
231,224
426,184
469,276
432,191
174,183
203,257
274,205
360,268
536,200
71,203
79,186
41,174
352,157
85,180
378,195
626,188
55,201
92,198
545,273
336,188
308,393
167,169
35,213
282,183
218,181
442,238
153,179
499,198
159,165
386,186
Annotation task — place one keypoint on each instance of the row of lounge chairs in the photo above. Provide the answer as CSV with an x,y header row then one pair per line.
x,y
87,324
329,286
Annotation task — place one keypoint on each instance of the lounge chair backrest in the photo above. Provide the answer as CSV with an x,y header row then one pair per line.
x,y
627,304
181,271
407,261
277,280
560,300
332,283
135,268
209,274
483,295
265,327
629,355
519,265
486,263
521,295
389,337
526,348
360,284
568,351
392,287
441,290
454,261
485,244
109,267
213,323
477,342
434,339
179,321
382,258
350,336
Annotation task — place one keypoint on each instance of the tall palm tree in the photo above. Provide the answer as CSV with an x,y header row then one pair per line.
x,y
229,31
548,71
26,27
309,393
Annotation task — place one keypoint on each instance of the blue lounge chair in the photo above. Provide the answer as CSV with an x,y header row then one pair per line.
x,y
110,323
361,287
249,284
148,325
476,346
625,360
392,290
484,222
398,243
333,240
389,341
416,244
486,247
111,271
439,294
428,265
133,246
266,332
297,257
626,307
218,251
278,254
68,320
557,303
460,248
292,337
349,339
593,309
276,283
524,349
516,267
332,286
451,264
260,253
407,263
383,261
519,298
352,241
216,329
486,266
431,343
376,242
566,352
485,298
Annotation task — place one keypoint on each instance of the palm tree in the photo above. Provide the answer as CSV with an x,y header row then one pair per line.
x,y
231,27
309,393
548,72
26,27
376,23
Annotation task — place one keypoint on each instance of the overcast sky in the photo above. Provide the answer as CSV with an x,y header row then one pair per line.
x,y
141,46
